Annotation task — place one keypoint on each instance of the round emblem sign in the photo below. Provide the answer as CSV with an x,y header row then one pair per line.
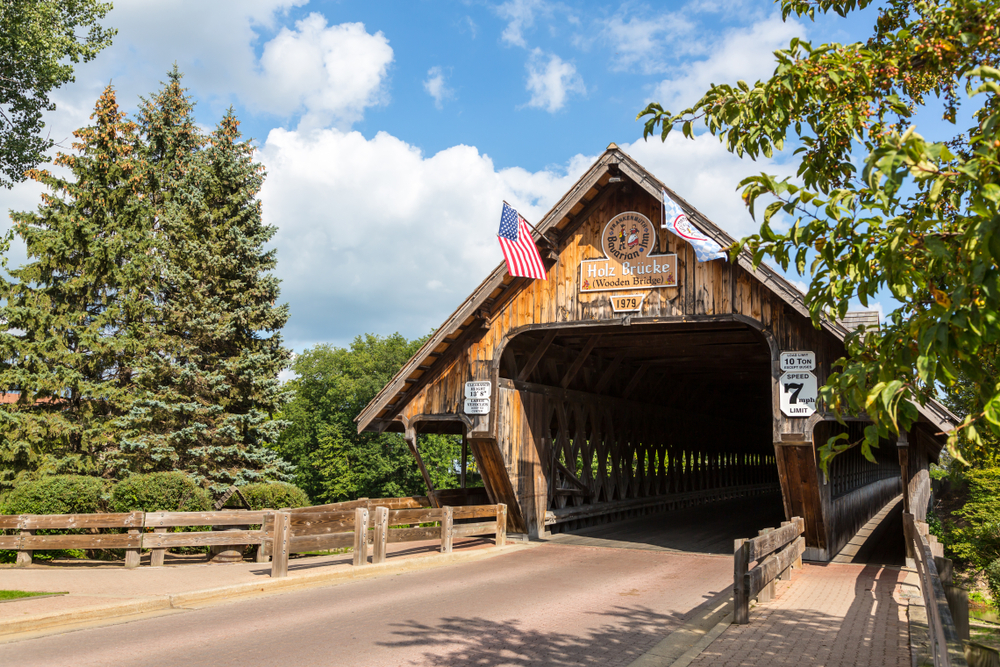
x,y
628,237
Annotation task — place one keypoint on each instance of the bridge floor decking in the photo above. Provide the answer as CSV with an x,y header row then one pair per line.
x,y
708,529
880,541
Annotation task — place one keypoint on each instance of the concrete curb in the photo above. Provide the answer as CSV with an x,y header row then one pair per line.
x,y
94,615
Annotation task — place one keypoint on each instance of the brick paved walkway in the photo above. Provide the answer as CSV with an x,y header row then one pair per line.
x,y
831,616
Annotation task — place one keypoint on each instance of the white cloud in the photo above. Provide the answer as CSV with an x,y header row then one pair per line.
x,y
331,73
745,53
375,236
647,42
520,15
437,88
551,80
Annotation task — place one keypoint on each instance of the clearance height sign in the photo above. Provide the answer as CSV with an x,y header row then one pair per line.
x,y
627,241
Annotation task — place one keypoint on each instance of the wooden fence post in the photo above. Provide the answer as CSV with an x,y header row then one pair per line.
x,y
801,523
263,555
279,544
447,523
156,555
741,602
133,556
361,536
24,556
766,594
501,525
381,533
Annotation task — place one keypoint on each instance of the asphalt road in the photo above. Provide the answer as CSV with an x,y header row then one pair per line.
x,y
549,604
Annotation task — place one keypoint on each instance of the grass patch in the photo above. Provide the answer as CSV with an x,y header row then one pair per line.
x,y
13,595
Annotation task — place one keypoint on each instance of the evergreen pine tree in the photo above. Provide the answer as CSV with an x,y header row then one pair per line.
x,y
212,381
77,314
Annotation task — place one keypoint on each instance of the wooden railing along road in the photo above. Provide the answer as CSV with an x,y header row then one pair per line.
x,y
945,644
354,524
775,552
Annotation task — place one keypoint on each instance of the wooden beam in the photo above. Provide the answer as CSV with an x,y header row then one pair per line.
x,y
578,363
573,479
411,440
510,362
536,356
634,382
609,373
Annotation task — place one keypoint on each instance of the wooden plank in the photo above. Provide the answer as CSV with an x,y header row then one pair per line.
x,y
223,518
475,511
609,373
479,528
10,542
758,578
537,355
164,540
304,520
412,534
761,546
332,507
132,555
406,502
10,521
81,521
303,543
578,362
361,536
102,541
381,530
157,555
404,517
766,593
281,545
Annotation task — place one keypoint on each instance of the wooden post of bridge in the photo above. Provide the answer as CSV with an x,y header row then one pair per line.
x,y
381,533
447,530
361,536
767,592
280,544
501,525
133,556
741,600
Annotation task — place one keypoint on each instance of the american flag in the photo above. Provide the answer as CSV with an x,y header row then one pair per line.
x,y
518,247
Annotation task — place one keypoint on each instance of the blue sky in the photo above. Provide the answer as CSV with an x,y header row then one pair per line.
x,y
392,131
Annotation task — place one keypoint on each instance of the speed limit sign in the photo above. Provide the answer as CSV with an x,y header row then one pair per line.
x,y
797,393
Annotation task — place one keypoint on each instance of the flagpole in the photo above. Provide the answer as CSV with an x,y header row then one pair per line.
x,y
540,232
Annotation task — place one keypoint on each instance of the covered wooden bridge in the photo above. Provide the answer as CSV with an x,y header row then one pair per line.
x,y
636,379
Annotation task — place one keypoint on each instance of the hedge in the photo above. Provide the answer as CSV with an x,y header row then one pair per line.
x,y
274,495
59,494
159,491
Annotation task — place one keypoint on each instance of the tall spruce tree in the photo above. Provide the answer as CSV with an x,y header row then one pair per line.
x,y
78,314
212,381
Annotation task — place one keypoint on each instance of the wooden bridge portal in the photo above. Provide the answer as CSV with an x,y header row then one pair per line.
x,y
636,379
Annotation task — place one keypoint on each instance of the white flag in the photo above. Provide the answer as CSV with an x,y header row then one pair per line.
x,y
676,220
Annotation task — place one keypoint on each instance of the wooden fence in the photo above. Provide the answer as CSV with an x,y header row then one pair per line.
x,y
298,530
775,551
303,529
134,539
945,644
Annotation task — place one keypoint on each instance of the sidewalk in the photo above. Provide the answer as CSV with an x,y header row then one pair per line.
x,y
829,614
98,590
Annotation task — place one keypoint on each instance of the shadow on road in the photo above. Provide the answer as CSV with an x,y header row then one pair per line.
x,y
625,633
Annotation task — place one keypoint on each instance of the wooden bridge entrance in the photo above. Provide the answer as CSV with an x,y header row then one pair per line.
x,y
636,379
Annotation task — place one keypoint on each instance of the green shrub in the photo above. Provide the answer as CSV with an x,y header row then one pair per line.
x,y
993,581
977,540
59,494
274,495
159,491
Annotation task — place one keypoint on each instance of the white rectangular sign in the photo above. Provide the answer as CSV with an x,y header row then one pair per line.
x,y
481,389
797,393
477,406
798,361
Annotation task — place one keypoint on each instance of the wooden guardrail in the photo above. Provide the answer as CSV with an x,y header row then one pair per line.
x,y
299,531
775,551
945,645
134,540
